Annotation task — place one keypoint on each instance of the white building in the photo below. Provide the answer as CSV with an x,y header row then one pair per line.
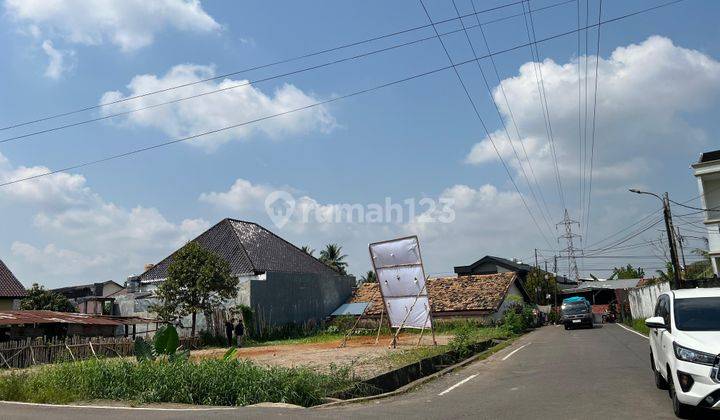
x,y
707,171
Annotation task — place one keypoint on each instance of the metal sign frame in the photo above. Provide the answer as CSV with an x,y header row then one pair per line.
x,y
425,287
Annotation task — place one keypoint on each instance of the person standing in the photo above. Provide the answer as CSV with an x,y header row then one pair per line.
x,y
229,330
239,332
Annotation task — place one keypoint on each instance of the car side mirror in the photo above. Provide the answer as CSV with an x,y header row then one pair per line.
x,y
656,322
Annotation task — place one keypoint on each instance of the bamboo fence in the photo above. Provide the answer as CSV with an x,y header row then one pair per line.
x,y
38,351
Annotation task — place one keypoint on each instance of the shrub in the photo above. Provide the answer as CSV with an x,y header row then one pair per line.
x,y
463,340
210,382
513,322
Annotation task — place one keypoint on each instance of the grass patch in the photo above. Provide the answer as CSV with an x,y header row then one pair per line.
x,y
209,382
638,325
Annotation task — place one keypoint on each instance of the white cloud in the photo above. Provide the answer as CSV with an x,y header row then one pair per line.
x,y
644,93
85,235
242,195
221,109
128,24
57,60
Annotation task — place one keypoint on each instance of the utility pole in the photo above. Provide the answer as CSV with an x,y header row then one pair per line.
x,y
681,239
671,239
569,237
546,266
536,259
555,264
667,215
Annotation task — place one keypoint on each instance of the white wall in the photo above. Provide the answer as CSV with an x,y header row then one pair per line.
x,y
643,299
513,291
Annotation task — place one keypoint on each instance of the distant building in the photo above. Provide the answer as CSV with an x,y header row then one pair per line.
x,y
484,297
493,265
707,171
279,281
94,298
11,290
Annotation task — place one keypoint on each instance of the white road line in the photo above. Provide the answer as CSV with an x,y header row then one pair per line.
x,y
457,384
632,331
112,407
515,351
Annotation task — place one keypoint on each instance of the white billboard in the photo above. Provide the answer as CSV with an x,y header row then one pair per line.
x,y
401,277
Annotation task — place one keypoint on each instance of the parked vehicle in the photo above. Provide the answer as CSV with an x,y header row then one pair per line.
x,y
685,348
609,317
576,312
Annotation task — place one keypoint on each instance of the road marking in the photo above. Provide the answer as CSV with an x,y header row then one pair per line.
x,y
457,385
515,351
632,331
113,407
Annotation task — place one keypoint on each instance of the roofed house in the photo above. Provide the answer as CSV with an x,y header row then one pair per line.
x,y
11,290
707,172
94,298
483,296
493,265
279,281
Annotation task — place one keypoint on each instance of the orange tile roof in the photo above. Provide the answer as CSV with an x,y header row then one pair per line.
x,y
476,293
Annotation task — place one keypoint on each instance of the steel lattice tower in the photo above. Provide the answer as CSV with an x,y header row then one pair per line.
x,y
569,252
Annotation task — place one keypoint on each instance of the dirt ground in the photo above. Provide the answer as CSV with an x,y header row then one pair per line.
x,y
366,358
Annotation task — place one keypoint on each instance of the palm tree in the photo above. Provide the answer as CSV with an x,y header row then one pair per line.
x,y
668,274
333,257
306,249
369,277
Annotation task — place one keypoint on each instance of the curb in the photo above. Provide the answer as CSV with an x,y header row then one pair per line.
x,y
405,388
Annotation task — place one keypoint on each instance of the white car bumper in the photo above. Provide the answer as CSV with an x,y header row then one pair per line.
x,y
704,392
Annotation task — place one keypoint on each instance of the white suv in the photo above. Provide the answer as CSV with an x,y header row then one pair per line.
x,y
685,347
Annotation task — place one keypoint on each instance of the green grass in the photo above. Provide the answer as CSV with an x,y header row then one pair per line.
x,y
318,338
638,325
209,382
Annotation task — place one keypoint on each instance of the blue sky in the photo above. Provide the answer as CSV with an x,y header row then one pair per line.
x,y
657,94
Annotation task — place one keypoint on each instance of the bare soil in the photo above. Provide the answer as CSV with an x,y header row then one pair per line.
x,y
365,358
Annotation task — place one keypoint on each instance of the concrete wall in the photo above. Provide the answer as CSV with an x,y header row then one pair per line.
x,y
284,298
643,299
514,291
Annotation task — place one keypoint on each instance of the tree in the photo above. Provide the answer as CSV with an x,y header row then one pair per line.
x,y
668,274
38,298
369,277
539,284
306,249
197,281
699,270
628,272
333,257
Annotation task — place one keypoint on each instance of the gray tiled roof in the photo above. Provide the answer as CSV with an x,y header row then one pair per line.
x,y
250,249
9,284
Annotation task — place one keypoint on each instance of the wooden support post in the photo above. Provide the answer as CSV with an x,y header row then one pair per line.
x,y
32,353
377,338
5,361
422,331
70,350
92,349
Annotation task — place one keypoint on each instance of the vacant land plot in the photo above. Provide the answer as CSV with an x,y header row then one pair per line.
x,y
365,358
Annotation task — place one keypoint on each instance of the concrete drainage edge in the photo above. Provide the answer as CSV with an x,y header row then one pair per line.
x,y
405,388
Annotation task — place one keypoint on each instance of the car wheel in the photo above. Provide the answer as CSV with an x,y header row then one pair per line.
x,y
660,382
681,410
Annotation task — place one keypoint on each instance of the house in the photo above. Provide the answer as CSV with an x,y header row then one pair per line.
x,y
707,172
94,298
279,281
493,265
482,296
11,290
17,325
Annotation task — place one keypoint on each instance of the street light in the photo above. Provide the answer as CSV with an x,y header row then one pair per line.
x,y
670,232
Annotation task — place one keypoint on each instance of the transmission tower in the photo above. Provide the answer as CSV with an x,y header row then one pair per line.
x,y
569,252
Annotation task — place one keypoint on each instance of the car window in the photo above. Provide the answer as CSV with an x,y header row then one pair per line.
x,y
658,307
697,314
666,310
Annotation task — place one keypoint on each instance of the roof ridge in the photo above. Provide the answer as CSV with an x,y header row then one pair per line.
x,y
242,245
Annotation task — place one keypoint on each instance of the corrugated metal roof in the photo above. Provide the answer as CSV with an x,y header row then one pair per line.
x,y
351,309
607,284
53,317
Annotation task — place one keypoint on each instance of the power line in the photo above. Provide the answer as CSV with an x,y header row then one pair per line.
x,y
500,117
257,67
592,145
511,114
482,123
356,93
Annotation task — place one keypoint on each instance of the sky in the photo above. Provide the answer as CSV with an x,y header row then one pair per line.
x,y
341,161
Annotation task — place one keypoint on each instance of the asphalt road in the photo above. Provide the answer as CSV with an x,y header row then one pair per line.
x,y
550,373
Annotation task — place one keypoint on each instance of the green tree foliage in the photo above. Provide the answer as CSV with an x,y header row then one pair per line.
x,y
198,281
700,269
333,257
539,284
668,274
38,298
369,277
627,272
306,249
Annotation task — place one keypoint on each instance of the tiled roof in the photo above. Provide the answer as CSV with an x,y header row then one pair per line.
x,y
250,249
509,264
476,293
9,284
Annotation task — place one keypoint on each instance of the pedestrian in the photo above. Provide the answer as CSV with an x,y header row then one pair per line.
x,y
239,332
229,325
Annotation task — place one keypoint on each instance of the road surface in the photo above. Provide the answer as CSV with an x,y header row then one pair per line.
x,y
550,373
